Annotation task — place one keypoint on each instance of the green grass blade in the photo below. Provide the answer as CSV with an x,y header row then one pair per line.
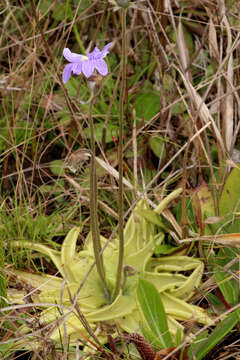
x,y
199,351
153,310
75,29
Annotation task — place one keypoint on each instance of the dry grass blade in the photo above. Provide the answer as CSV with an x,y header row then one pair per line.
x,y
183,50
224,239
169,216
113,172
228,112
134,145
106,208
213,45
202,108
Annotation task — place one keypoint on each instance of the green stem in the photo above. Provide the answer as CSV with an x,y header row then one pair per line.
x,y
3,291
120,156
93,206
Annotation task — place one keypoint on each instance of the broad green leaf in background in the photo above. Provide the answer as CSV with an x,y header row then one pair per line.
x,y
228,284
153,310
178,108
229,201
111,131
157,146
147,105
231,193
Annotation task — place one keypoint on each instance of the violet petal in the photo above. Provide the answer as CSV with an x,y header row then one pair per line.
x,y
71,57
77,68
96,51
101,67
87,68
105,51
66,73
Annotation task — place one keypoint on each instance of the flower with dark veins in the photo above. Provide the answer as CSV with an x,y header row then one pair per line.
x,y
85,64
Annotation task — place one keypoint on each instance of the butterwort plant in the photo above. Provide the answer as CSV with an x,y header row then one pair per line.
x,y
85,64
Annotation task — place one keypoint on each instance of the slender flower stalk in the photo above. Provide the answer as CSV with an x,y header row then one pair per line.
x,y
120,157
86,65
93,204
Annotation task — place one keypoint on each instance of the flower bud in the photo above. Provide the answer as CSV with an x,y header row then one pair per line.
x,y
129,270
95,83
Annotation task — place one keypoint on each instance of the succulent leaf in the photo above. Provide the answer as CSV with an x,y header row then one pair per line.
x,y
166,273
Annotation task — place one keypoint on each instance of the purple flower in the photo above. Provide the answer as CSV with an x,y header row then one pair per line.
x,y
85,64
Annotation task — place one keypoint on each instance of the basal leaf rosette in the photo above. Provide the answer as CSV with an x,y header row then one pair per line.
x,y
166,273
